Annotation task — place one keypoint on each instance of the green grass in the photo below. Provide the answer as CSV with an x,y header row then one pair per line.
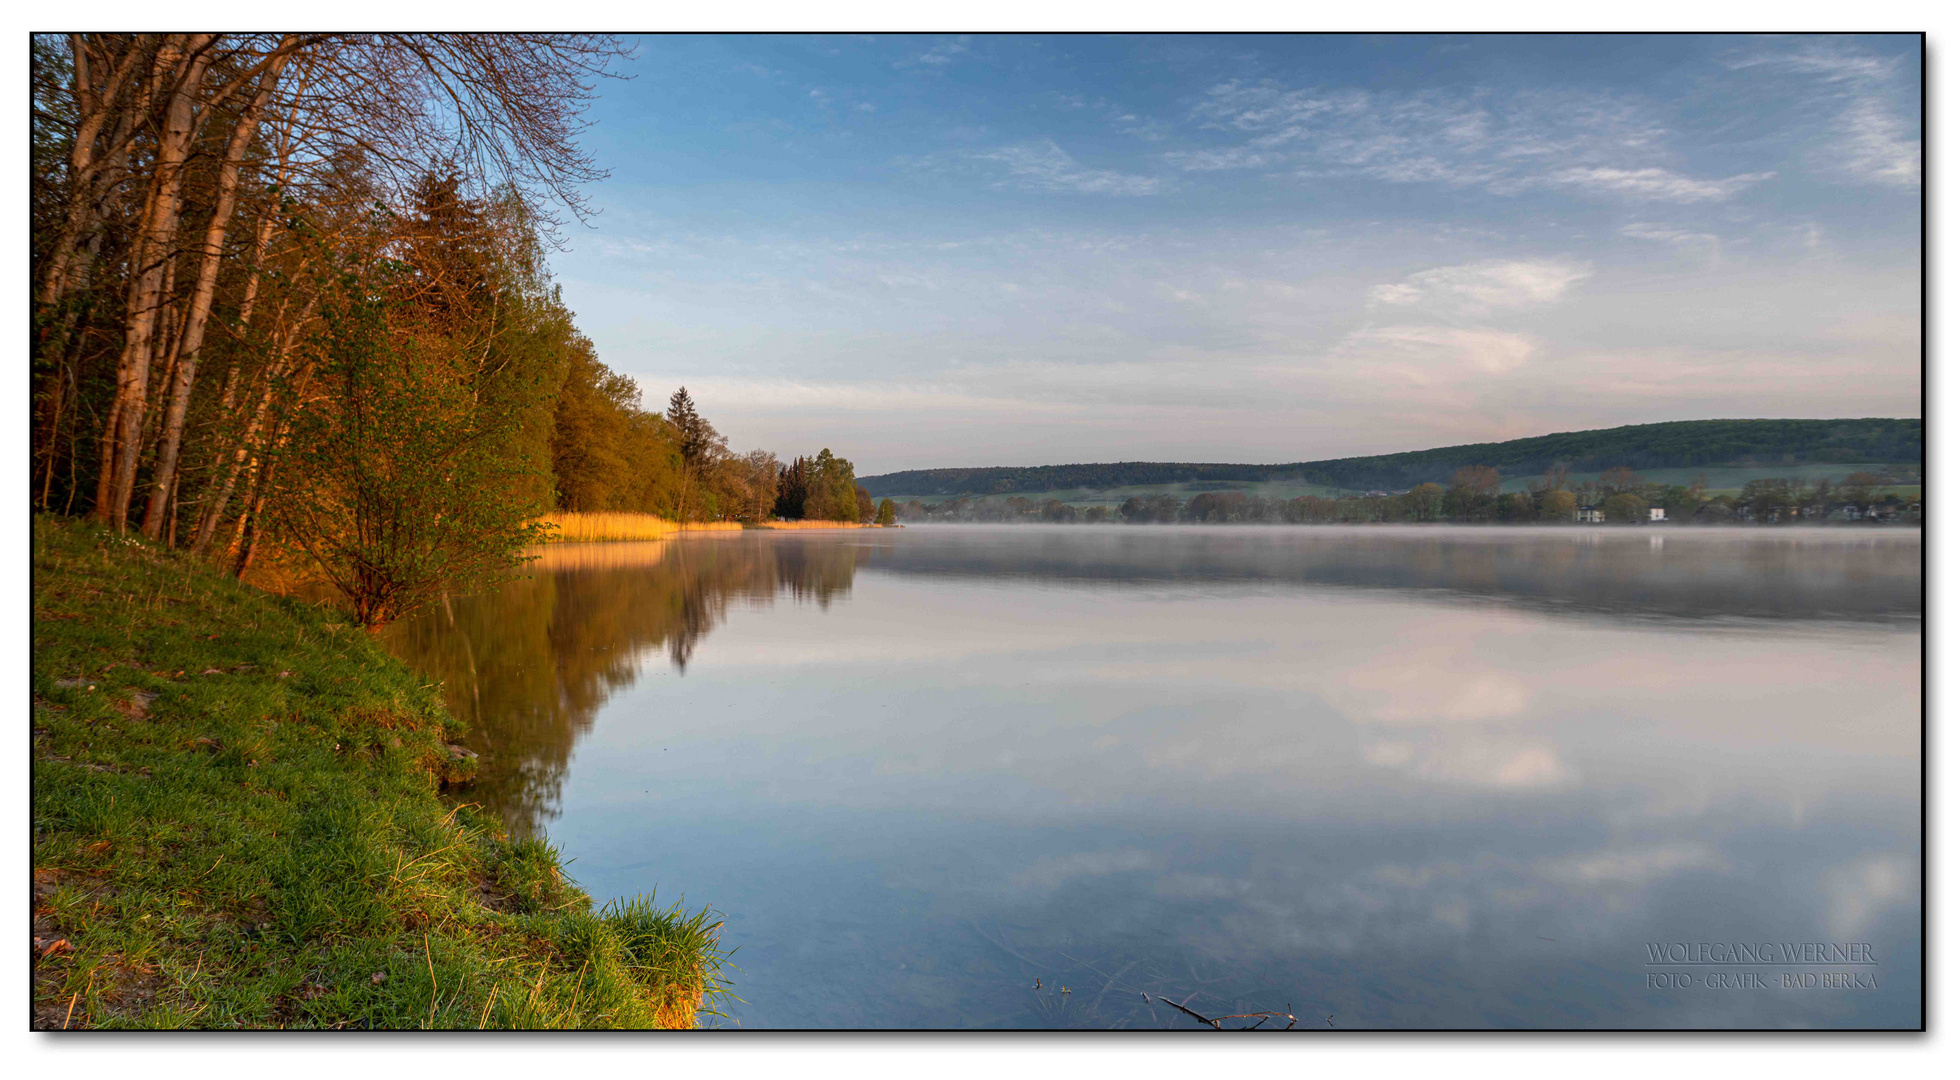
x,y
237,823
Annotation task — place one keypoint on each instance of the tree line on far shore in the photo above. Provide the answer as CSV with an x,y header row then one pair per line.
x,y
1473,495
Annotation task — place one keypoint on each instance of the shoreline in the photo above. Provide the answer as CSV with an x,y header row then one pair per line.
x,y
239,822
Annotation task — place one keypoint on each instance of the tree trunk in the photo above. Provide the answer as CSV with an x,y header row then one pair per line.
x,y
87,162
192,338
248,442
121,438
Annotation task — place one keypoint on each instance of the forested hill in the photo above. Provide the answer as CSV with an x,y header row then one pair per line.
x,y
1677,444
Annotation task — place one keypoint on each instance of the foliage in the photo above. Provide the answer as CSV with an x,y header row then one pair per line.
x,y
402,477
823,488
1625,509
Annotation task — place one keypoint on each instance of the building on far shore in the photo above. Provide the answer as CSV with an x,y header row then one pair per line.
x,y
1589,514
1656,513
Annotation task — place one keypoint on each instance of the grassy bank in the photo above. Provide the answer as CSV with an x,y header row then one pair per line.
x,y
237,823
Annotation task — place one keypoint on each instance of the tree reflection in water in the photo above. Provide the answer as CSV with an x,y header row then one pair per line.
x,y
526,666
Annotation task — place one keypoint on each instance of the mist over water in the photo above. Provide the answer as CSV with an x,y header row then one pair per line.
x,y
1390,777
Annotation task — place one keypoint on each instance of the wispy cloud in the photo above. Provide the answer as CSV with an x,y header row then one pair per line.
x,y
1479,287
1874,142
1878,144
1045,166
1658,233
1507,144
936,58
1655,183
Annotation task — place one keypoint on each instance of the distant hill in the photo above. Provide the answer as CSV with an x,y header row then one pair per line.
x,y
1676,444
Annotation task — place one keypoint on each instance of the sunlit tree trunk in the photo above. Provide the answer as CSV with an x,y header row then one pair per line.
x,y
121,439
210,258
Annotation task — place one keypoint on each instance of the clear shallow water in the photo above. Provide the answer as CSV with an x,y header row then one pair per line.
x,y
1423,777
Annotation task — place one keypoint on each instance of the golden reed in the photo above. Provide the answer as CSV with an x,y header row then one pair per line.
x,y
573,528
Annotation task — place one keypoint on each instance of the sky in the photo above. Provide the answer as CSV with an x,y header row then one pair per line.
x,y
929,251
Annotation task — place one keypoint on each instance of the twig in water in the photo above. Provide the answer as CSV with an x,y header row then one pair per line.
x,y
1218,1023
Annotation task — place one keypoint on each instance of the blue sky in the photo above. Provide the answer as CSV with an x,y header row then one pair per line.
x,y
995,250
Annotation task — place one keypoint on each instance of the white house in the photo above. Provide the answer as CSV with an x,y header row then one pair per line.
x,y
1656,513
1588,514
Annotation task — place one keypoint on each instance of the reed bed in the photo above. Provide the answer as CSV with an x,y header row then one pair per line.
x,y
810,524
573,528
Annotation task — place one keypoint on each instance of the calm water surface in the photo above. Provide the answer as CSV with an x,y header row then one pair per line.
x,y
1392,777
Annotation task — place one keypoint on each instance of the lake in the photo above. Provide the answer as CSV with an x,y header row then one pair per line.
x,y
1388,777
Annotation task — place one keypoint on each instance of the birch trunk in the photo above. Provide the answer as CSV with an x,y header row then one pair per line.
x,y
210,257
121,439
208,525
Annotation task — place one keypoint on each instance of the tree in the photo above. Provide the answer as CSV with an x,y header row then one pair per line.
x,y
1770,498
1859,487
792,490
1557,505
1472,490
1424,502
400,478
1476,479
830,488
1619,480
1625,508
158,147
865,507
887,513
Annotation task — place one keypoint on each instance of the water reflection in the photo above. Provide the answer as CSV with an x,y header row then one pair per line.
x,y
528,666
1427,777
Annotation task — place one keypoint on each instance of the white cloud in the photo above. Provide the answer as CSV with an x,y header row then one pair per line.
x,y
1508,144
1666,234
1656,183
1877,144
1874,142
936,58
1044,166
1481,286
